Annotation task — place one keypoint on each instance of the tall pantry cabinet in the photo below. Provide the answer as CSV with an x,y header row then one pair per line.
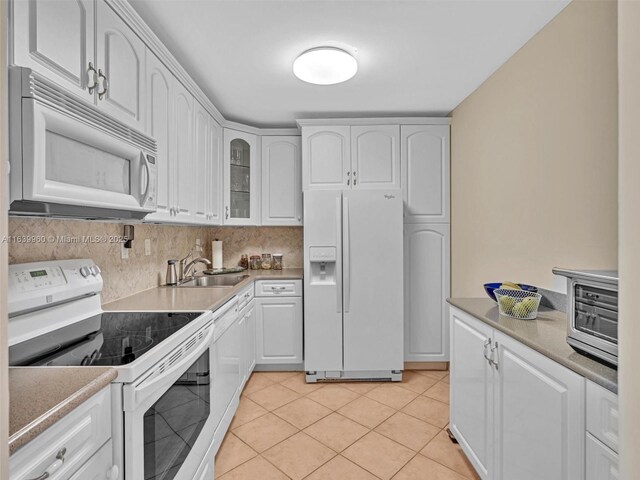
x,y
411,154
425,186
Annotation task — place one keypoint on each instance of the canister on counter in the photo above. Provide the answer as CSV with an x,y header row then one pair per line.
x,y
266,261
244,261
277,261
255,262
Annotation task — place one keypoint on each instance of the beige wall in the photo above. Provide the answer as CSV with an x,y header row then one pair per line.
x,y
123,277
629,334
534,158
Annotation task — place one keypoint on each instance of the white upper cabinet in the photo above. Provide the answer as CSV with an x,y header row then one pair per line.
x,y
425,173
159,123
241,178
326,157
215,174
375,156
120,56
57,40
182,152
201,164
281,180
426,288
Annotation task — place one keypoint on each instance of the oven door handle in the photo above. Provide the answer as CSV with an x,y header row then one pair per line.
x,y
142,390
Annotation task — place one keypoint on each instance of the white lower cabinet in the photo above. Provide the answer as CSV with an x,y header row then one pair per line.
x,y
279,330
76,447
471,383
539,415
602,462
516,413
100,466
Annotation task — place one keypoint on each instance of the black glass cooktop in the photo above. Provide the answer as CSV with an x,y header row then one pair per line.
x,y
111,339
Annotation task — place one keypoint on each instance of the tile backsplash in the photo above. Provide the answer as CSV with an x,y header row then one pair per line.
x,y
63,239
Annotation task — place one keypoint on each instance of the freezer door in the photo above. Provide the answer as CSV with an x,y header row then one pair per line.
x,y
373,283
323,280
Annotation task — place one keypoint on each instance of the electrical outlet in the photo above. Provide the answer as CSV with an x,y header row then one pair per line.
x,y
147,246
124,252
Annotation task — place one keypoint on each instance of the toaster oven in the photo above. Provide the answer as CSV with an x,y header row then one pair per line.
x,y
592,310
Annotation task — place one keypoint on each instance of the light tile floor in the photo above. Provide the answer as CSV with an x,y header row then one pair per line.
x,y
286,429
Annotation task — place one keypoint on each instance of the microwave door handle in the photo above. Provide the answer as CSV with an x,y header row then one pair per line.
x,y
144,180
186,361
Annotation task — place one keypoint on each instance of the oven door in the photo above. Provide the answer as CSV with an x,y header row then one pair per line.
x,y
68,161
168,421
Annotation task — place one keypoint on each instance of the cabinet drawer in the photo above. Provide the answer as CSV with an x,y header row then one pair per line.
x,y
602,462
82,432
100,466
245,296
602,415
281,288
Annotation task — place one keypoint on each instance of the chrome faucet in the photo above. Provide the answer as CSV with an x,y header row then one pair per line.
x,y
187,270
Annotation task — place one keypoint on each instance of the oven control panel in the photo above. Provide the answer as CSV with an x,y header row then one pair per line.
x,y
38,284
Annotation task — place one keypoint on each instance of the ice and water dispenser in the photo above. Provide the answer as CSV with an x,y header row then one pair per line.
x,y
323,265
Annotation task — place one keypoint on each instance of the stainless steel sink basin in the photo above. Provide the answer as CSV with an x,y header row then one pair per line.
x,y
213,281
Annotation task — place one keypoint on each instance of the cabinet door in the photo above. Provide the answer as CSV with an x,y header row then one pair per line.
x,y
375,156
326,158
425,173
602,462
539,416
99,467
426,288
182,141
281,181
279,331
215,176
120,57
241,178
202,164
159,115
251,340
56,38
472,394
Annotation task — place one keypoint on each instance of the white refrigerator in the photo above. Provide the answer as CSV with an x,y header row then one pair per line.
x,y
353,297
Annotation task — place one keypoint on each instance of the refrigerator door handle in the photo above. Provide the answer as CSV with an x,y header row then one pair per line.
x,y
346,254
338,263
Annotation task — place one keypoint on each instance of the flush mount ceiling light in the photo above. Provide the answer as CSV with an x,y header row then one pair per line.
x,y
325,66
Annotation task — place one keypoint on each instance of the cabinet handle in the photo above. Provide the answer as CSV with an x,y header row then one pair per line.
x,y
105,84
355,180
348,178
226,214
299,218
494,350
51,469
92,76
485,352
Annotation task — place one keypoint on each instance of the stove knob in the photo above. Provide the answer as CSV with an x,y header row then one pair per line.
x,y
96,269
84,271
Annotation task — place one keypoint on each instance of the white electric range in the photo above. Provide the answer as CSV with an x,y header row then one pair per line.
x,y
163,413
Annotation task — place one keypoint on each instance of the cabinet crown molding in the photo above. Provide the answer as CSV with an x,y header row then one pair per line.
x,y
374,121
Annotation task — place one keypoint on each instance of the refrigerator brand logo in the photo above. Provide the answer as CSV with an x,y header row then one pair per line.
x,y
389,197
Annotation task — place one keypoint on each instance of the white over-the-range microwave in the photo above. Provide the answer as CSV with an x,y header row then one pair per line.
x,y
70,159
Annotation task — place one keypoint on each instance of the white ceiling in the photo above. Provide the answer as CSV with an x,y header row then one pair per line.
x,y
415,57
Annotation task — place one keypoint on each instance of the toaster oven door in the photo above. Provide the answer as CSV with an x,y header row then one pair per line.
x,y
594,318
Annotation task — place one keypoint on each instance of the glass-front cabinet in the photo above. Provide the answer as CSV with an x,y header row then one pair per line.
x,y
241,195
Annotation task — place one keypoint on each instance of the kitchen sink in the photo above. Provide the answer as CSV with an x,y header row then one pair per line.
x,y
213,281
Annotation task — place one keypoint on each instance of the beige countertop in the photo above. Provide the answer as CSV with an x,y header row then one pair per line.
x,y
195,298
546,334
40,396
